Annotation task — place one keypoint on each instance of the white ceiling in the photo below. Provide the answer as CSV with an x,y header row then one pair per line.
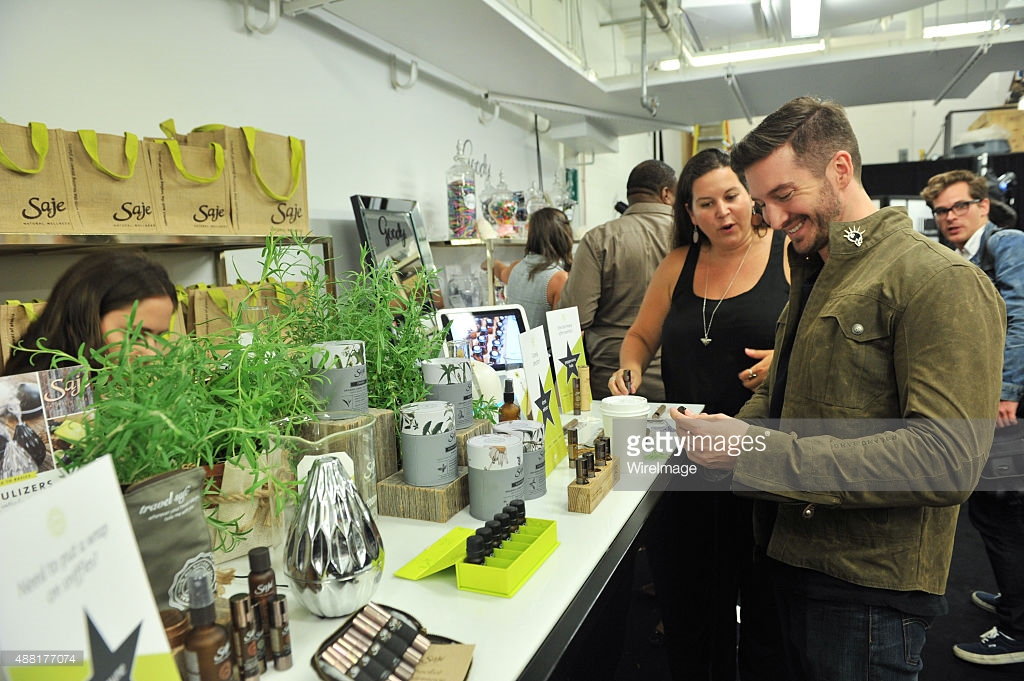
x,y
577,62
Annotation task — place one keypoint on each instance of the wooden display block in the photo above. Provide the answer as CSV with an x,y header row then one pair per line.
x,y
585,498
385,443
436,504
479,427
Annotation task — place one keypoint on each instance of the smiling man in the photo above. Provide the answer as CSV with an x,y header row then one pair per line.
x,y
881,399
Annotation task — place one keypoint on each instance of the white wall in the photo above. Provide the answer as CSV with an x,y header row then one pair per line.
x,y
114,66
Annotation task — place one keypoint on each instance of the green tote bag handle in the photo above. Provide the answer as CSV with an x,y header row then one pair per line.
x,y
296,164
131,152
218,161
41,145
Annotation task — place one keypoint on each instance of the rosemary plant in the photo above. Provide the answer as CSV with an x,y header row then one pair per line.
x,y
194,401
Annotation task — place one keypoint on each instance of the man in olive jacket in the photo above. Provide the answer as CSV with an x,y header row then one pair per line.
x,y
880,403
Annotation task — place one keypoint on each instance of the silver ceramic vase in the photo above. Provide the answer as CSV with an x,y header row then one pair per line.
x,y
334,558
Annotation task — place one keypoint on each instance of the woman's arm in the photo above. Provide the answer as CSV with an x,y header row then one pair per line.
x,y
555,286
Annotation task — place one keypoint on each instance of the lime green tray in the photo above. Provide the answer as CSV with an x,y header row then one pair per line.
x,y
503,574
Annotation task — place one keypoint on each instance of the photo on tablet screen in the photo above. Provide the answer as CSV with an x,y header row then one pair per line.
x,y
492,333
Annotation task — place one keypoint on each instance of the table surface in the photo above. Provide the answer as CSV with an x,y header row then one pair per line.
x,y
532,628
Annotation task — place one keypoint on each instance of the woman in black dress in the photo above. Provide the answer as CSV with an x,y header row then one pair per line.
x,y
712,304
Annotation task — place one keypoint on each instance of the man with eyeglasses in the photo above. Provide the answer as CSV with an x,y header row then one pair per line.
x,y
960,204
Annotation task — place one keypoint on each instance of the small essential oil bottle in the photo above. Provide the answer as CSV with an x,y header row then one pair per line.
x,y
495,528
513,515
581,471
509,411
573,441
505,523
262,588
280,633
487,537
244,638
520,507
475,549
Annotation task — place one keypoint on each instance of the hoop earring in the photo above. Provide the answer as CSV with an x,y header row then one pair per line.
x,y
696,235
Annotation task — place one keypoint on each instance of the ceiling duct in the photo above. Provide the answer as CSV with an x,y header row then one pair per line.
x,y
664,23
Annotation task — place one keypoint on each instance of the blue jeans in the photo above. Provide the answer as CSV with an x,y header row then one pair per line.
x,y
834,641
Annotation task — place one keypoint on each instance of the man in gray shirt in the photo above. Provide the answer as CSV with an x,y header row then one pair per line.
x,y
613,265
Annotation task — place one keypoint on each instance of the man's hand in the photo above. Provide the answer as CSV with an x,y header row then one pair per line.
x,y
1007,415
717,426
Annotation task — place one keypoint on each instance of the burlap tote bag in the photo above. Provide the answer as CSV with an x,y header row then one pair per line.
x,y
110,183
190,189
35,192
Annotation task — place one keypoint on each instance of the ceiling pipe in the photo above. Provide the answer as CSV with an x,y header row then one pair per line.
x,y
664,22
978,53
730,80
648,103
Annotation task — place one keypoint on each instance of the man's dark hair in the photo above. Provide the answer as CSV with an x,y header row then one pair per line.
x,y
650,177
816,129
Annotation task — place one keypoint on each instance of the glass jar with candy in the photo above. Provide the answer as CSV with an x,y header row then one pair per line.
x,y
462,193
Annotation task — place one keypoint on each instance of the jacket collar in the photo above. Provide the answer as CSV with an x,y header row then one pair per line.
x,y
648,207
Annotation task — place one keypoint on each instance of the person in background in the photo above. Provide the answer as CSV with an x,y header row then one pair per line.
x,y
614,264
726,281
90,306
536,281
959,200
875,419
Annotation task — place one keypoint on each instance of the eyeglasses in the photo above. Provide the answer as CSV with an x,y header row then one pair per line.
x,y
958,208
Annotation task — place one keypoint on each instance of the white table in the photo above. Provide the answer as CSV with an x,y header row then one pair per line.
x,y
516,638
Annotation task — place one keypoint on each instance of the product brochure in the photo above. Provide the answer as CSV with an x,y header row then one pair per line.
x,y
77,603
539,403
566,351
41,414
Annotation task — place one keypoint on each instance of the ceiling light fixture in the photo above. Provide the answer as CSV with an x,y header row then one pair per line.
x,y
804,18
669,65
964,28
752,55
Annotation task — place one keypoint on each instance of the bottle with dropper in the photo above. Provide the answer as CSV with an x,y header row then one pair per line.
x,y
509,411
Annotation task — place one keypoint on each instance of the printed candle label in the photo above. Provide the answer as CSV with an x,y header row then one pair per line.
x,y
341,368
429,452
449,380
496,472
535,483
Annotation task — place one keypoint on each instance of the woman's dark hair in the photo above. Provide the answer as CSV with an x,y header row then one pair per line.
x,y
88,290
702,163
549,235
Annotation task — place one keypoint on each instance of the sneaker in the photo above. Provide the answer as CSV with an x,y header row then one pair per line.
x,y
994,647
985,600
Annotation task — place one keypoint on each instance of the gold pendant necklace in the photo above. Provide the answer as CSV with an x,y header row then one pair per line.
x,y
706,338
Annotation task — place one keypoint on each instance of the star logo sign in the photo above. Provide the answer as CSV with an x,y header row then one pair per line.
x,y
569,362
544,405
107,664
